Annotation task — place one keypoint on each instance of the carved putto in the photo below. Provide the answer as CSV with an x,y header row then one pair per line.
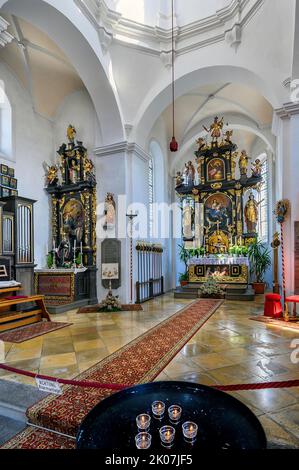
x,y
51,175
257,168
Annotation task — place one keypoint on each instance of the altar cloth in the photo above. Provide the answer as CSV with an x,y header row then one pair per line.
x,y
218,261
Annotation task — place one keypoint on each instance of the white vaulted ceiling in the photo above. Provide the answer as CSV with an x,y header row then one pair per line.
x,y
40,66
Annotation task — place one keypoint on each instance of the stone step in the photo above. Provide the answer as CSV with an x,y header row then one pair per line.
x,y
9,428
249,295
15,398
185,295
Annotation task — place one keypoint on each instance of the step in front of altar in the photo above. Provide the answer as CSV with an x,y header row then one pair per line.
x,y
238,292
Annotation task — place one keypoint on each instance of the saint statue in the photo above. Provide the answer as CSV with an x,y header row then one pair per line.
x,y
110,210
189,173
71,133
251,214
243,163
215,129
73,171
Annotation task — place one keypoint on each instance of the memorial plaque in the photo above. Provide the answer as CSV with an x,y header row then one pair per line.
x,y
296,270
111,254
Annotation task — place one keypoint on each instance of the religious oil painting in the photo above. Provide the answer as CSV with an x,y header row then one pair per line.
x,y
73,220
110,271
218,211
216,170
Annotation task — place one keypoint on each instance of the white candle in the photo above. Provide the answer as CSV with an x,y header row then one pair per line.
x,y
54,247
81,248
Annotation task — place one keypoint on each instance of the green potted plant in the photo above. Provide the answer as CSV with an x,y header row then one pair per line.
x,y
184,256
260,261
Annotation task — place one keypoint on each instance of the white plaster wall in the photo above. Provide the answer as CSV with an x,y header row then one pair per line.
x,y
78,109
32,144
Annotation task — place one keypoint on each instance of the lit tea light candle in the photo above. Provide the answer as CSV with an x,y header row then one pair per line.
x,y
167,435
143,440
158,409
143,422
175,413
190,431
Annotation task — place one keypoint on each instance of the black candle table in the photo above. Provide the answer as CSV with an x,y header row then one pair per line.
x,y
223,421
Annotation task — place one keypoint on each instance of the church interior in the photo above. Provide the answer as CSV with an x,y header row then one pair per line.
x,y
149,242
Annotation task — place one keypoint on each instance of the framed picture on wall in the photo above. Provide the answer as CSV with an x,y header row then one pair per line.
x,y
14,192
110,271
11,172
13,183
5,192
5,180
4,169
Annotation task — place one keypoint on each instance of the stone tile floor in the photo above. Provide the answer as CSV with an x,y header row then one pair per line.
x,y
228,349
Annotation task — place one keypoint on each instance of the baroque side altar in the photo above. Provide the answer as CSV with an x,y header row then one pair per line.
x,y
71,184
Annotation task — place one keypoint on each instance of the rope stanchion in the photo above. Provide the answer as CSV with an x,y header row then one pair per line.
x,y
119,387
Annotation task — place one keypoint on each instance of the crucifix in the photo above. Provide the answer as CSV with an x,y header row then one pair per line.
x,y
131,218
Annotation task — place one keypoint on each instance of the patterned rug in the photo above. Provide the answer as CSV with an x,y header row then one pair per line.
x,y
140,361
124,308
24,333
277,322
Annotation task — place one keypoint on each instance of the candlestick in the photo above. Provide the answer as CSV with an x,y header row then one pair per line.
x,y
143,440
175,413
158,409
167,435
190,430
143,422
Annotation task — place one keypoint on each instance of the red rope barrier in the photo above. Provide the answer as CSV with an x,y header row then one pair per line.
x,y
87,384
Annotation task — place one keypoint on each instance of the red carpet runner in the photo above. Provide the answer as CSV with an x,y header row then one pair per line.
x,y
138,362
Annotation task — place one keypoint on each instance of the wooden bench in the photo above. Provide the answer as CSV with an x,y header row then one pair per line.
x,y
11,318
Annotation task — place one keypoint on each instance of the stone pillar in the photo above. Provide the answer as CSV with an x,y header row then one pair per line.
x,y
286,128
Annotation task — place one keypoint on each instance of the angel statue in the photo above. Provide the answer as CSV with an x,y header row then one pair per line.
x,y
215,129
51,174
251,214
257,168
88,167
243,163
71,133
178,179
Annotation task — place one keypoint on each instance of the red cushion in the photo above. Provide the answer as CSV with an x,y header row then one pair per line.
x,y
293,298
274,297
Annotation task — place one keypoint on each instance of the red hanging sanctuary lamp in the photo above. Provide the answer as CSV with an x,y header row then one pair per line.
x,y
174,146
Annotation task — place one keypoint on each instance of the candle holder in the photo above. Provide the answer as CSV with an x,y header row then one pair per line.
x,y
175,413
143,422
167,435
143,440
190,430
158,409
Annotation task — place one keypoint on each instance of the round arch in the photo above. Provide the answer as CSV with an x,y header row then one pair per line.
x,y
49,16
159,98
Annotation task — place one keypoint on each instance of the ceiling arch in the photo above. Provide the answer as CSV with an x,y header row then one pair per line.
x,y
81,55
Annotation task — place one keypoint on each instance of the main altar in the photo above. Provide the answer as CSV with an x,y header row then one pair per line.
x,y
69,280
220,211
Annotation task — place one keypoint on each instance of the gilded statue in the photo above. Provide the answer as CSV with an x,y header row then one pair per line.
x,y
178,179
71,133
243,163
215,129
52,175
251,214
234,164
88,167
257,168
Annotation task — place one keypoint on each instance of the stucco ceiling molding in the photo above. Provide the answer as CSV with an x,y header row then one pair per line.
x,y
5,37
225,25
122,147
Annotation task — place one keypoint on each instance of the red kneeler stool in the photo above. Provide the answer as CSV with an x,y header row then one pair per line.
x,y
273,307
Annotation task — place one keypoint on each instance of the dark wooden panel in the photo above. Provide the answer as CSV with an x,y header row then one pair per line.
x,y
111,253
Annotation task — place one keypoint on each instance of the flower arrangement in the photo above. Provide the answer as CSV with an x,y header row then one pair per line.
x,y
110,304
211,290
